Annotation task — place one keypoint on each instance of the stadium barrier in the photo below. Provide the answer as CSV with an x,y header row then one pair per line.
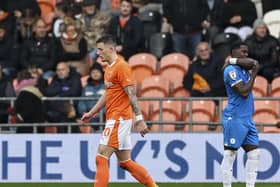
x,y
216,121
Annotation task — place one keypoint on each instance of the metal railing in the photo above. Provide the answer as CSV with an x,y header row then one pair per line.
x,y
10,127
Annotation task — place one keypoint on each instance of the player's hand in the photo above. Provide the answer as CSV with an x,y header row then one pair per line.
x,y
256,67
86,117
142,127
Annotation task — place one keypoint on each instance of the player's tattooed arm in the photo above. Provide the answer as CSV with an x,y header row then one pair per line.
x,y
130,91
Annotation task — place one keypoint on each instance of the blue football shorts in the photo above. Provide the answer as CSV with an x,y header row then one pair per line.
x,y
239,131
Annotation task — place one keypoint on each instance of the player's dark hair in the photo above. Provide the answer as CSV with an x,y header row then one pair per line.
x,y
107,39
129,1
237,45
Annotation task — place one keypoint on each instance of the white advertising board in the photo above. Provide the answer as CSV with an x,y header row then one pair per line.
x,y
170,157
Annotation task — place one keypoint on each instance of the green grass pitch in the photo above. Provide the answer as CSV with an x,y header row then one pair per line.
x,y
132,185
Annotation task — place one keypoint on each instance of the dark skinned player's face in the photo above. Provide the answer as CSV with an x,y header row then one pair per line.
x,y
242,52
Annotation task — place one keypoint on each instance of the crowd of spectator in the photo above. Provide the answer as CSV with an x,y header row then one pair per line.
x,y
39,59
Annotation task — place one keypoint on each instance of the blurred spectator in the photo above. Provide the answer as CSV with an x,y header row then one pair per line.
x,y
111,6
264,48
204,77
238,17
127,30
29,95
18,7
147,5
270,5
6,90
213,24
94,89
62,10
72,47
9,52
24,25
39,51
66,83
187,18
7,18
94,24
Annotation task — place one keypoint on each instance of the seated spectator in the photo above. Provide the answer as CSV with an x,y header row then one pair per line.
x,y
6,90
187,23
28,95
18,7
39,51
24,25
238,17
213,25
62,10
264,48
94,89
127,30
94,25
9,52
66,83
204,77
72,47
111,6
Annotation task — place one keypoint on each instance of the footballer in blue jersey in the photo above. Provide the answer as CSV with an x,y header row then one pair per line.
x,y
238,127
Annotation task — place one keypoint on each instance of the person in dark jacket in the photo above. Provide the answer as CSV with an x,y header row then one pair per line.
x,y
72,47
18,6
187,18
127,30
39,51
66,83
238,17
264,48
9,52
204,77
6,90
94,88
29,107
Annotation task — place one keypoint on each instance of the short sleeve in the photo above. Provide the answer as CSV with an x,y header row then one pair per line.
x,y
232,76
125,75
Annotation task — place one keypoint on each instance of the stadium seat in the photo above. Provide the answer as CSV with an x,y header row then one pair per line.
x,y
273,129
266,111
221,44
151,22
50,130
146,108
272,21
275,87
160,44
47,10
202,111
174,66
154,86
143,65
171,111
86,129
260,87
177,89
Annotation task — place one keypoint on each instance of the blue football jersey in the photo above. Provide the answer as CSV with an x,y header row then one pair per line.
x,y
237,106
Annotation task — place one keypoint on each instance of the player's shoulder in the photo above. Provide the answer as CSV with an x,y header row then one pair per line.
x,y
231,68
122,64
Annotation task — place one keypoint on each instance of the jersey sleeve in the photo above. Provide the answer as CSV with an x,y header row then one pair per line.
x,y
232,76
125,75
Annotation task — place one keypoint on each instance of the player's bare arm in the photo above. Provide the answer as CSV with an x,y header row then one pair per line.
x,y
141,124
99,105
130,91
244,89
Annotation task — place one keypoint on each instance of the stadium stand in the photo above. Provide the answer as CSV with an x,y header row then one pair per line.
x,y
143,65
203,111
154,86
171,111
275,87
260,88
271,18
